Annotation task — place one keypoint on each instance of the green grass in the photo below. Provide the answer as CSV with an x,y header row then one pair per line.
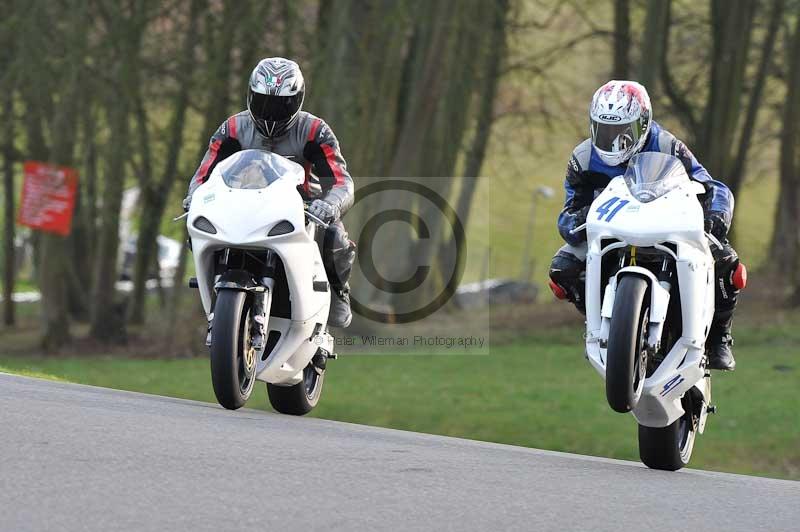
x,y
537,392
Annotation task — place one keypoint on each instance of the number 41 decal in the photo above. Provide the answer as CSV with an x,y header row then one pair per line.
x,y
604,209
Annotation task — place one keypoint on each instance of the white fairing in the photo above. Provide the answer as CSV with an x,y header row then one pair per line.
x,y
676,218
243,218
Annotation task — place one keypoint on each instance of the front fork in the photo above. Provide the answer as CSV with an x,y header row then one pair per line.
x,y
262,302
261,293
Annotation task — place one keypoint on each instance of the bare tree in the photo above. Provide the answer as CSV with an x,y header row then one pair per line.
x,y
156,192
657,32
9,260
786,237
737,172
7,68
126,27
622,39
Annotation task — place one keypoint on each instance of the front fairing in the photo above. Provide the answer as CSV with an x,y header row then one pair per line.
x,y
243,218
676,216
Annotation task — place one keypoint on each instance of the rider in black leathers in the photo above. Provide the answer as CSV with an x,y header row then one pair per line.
x,y
275,122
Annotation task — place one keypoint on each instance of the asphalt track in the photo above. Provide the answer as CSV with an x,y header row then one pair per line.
x,y
84,458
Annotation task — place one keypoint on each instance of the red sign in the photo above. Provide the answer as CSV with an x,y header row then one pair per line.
x,y
48,197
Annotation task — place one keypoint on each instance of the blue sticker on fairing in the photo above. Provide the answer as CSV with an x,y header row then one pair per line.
x,y
671,384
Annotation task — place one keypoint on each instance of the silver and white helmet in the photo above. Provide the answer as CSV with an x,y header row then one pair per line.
x,y
275,95
619,120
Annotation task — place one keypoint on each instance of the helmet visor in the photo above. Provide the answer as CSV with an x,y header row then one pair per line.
x,y
615,138
274,108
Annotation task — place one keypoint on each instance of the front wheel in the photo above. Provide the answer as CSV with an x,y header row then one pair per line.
x,y
626,356
301,398
668,448
233,359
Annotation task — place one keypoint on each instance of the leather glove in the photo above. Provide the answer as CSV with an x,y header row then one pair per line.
x,y
715,224
325,211
580,216
187,201
580,219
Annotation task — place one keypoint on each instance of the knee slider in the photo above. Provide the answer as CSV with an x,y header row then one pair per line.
x,y
565,275
739,278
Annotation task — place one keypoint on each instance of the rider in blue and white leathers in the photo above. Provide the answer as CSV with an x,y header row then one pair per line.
x,y
621,126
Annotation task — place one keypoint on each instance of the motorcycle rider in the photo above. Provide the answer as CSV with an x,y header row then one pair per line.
x,y
274,121
621,125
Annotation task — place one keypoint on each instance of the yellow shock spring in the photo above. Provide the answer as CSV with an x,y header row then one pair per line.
x,y
633,255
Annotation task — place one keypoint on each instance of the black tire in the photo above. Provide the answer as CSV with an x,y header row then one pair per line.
x,y
625,362
301,398
668,448
232,381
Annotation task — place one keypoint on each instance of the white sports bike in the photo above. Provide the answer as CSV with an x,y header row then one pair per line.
x,y
650,302
262,282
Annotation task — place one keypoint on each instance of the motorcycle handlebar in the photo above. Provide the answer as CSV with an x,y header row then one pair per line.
x,y
316,220
714,240
578,229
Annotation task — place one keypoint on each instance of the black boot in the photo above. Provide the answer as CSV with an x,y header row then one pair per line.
x,y
340,315
338,255
720,341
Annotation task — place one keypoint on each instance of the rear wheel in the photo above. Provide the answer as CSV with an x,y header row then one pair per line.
x,y
626,356
301,398
233,359
669,448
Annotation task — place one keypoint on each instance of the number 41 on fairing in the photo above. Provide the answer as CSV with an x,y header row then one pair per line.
x,y
604,209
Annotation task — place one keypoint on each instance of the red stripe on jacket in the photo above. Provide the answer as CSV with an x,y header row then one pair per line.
x,y
330,156
232,127
213,151
312,134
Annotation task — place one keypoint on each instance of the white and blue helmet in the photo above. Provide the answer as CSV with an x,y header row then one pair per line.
x,y
619,120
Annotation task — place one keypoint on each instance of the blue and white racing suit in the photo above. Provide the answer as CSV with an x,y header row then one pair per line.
x,y
587,176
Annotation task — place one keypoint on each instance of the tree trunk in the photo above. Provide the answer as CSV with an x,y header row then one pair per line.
x,y
9,267
736,175
485,117
54,249
622,39
657,31
178,288
108,315
786,238
732,26
155,193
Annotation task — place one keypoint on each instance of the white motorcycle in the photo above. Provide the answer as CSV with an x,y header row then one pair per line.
x,y
262,282
650,302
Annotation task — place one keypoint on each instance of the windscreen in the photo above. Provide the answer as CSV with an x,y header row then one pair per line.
x,y
255,169
650,175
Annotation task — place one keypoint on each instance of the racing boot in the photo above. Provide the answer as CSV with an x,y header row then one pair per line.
x,y
340,314
339,253
731,277
720,341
